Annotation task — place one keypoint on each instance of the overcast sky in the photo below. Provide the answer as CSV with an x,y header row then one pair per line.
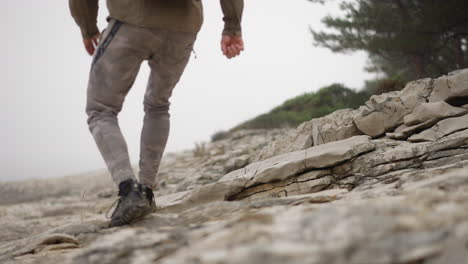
x,y
44,73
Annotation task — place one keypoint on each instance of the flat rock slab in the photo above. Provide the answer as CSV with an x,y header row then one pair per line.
x,y
336,126
430,111
295,163
383,113
403,131
423,226
443,179
453,85
441,129
277,168
60,237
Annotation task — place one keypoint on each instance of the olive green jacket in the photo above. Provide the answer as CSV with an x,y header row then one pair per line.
x,y
178,15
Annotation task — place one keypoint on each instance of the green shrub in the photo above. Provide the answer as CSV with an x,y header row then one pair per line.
x,y
384,85
306,107
220,135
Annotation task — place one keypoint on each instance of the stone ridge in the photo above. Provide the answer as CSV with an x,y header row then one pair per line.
x,y
381,114
386,183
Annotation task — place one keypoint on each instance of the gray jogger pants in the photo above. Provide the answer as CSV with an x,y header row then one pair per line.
x,y
121,51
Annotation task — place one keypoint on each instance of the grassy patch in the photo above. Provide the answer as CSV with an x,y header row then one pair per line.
x,y
306,107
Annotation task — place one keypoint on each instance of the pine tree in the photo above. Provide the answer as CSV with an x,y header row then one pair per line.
x,y
409,38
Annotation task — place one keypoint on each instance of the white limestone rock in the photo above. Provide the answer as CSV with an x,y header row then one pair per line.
x,y
333,127
383,113
353,200
453,85
430,111
278,168
441,129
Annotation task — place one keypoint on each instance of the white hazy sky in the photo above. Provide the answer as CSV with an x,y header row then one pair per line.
x,y
44,72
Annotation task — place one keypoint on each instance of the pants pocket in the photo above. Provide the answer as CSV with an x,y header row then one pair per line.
x,y
107,35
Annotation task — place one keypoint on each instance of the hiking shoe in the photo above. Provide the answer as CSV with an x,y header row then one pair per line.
x,y
150,201
132,204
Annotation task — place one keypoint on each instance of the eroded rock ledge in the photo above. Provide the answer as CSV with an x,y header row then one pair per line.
x,y
386,183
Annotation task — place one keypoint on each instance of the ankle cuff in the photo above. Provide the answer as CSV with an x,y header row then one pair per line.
x,y
125,187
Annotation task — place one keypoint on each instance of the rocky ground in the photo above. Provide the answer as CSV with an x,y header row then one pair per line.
x,y
386,183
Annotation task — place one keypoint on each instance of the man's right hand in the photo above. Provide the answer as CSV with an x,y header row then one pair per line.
x,y
232,46
91,44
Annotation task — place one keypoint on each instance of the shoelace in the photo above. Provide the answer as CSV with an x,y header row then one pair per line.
x,y
147,192
124,189
153,199
110,208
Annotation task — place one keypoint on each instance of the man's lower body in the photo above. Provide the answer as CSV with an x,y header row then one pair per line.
x,y
116,63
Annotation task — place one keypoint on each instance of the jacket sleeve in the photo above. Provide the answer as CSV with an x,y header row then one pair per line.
x,y
232,10
85,14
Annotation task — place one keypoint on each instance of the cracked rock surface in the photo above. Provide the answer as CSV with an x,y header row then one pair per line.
x,y
386,183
